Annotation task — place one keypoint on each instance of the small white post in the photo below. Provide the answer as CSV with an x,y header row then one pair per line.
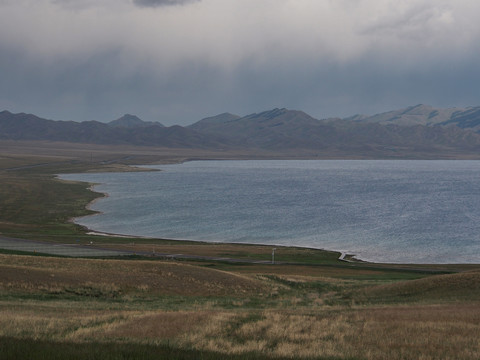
x,y
273,255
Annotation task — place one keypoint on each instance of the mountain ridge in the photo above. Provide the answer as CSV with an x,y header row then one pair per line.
x,y
466,118
132,121
413,132
23,126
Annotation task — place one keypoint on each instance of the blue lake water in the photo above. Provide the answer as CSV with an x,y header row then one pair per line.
x,y
384,211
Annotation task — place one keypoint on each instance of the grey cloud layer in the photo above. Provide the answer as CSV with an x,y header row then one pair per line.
x,y
155,3
98,59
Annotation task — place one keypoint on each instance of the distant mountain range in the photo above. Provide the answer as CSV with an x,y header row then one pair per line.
x,y
468,118
419,131
127,130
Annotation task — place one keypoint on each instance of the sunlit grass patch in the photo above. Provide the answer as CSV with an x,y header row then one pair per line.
x,y
156,326
116,277
439,288
393,333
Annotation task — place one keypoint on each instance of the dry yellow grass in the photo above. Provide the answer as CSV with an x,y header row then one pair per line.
x,y
157,326
409,332
449,287
120,276
56,322
291,318
443,332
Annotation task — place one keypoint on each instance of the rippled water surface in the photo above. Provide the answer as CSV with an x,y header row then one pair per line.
x,y
394,211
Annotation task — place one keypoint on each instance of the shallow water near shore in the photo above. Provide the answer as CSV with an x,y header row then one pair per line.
x,y
384,211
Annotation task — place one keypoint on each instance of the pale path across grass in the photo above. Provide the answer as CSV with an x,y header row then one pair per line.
x,y
82,250
75,250
96,250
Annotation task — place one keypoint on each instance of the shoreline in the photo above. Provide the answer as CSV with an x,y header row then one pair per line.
x,y
88,207
343,256
138,168
346,256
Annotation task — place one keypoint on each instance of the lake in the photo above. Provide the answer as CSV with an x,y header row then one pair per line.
x,y
398,211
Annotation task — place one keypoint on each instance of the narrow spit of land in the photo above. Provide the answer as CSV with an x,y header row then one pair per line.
x,y
308,305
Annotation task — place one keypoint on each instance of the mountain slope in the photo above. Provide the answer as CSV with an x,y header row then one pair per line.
x,y
468,119
213,120
273,129
282,129
30,127
132,121
426,115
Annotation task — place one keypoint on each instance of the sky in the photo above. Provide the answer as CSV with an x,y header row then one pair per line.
x,y
178,61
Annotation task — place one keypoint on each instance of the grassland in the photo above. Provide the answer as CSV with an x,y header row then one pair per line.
x,y
311,307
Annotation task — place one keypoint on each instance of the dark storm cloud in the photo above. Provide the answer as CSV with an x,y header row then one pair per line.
x,y
94,89
156,3
328,58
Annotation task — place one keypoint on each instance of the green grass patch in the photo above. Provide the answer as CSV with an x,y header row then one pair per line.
x,y
317,286
40,206
292,255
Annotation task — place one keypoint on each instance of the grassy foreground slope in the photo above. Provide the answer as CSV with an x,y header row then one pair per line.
x,y
316,307
278,311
